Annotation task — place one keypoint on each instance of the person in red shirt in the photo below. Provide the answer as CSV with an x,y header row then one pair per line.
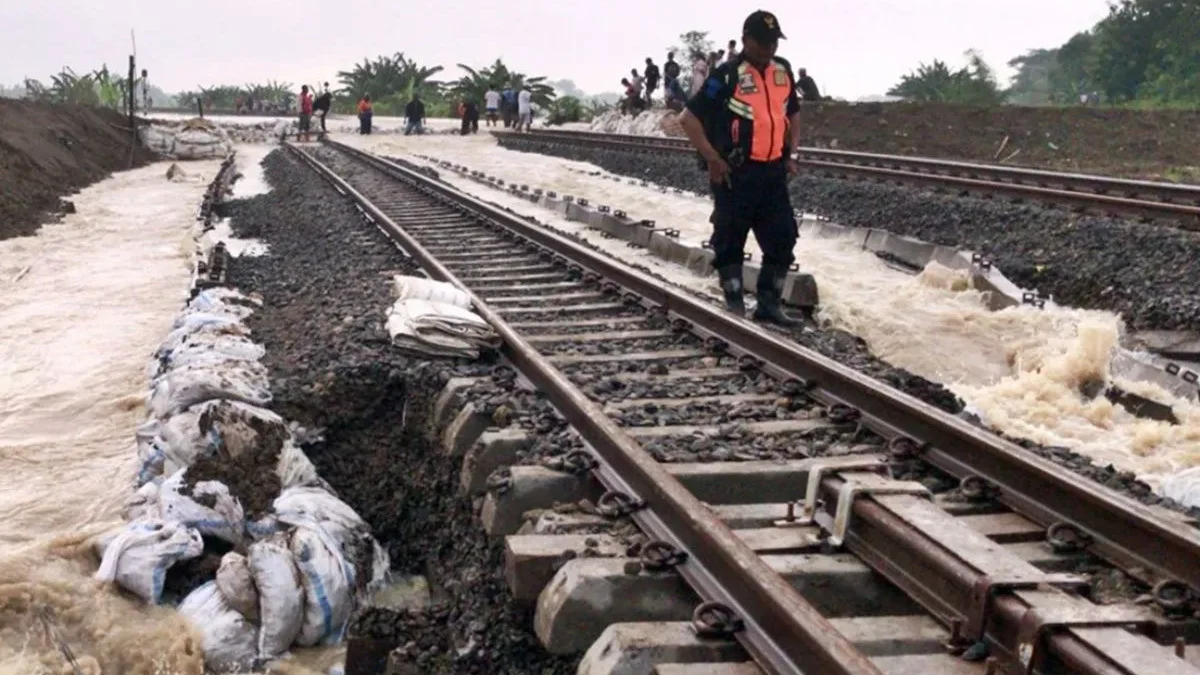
x,y
365,112
306,111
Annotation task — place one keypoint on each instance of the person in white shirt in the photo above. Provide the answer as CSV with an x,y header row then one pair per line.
x,y
491,101
699,72
636,81
525,109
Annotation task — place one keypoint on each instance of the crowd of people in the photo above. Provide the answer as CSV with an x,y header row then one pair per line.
x,y
639,87
512,106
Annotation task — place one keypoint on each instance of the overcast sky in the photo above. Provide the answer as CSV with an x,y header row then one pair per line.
x,y
852,47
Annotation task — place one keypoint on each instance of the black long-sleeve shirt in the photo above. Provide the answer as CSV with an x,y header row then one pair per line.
x,y
415,110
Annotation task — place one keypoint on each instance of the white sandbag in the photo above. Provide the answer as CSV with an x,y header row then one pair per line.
x,y
183,335
436,329
138,556
143,504
181,388
236,583
280,594
225,519
295,469
420,288
233,427
228,638
328,580
223,301
317,508
159,140
212,348
1183,487
201,144
190,323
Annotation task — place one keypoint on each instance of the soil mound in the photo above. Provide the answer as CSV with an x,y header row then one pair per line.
x,y
1144,143
48,151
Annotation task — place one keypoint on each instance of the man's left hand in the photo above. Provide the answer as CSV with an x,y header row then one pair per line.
x,y
793,167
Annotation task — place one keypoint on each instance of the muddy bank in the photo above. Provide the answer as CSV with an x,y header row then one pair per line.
x,y
1148,273
1158,144
49,151
326,287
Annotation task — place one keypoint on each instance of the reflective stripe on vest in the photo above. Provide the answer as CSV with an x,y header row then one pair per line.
x,y
761,98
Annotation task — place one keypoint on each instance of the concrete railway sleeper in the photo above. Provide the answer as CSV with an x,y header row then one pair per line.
x,y
1175,203
839,527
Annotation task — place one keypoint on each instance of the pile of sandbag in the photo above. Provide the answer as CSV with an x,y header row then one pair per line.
x,y
434,318
194,139
294,572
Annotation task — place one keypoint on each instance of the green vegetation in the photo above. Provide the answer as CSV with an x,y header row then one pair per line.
x,y
973,84
391,82
1144,54
97,88
226,97
475,84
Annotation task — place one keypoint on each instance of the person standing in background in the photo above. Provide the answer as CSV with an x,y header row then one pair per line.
x,y
491,101
414,114
322,104
525,109
670,72
699,72
731,52
508,105
145,86
470,117
306,111
652,78
807,86
365,112
637,81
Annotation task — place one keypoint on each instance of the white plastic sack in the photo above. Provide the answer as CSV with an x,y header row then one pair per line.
x,y
420,288
295,469
280,595
236,583
159,140
181,388
201,144
223,302
143,504
1183,487
318,509
228,638
437,329
328,579
232,427
202,348
224,519
138,556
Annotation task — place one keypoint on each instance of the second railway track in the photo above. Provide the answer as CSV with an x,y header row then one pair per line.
x,y
816,480
1176,203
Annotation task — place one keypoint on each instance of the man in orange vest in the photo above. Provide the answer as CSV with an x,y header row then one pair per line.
x,y
745,122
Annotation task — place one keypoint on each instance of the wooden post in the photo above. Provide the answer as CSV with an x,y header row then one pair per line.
x,y
132,90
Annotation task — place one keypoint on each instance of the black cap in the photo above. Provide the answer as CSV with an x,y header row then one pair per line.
x,y
762,26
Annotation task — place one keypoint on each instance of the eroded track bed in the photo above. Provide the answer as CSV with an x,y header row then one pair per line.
x,y
640,453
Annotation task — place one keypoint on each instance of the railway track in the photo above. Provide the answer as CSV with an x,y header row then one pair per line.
x,y
1137,198
824,522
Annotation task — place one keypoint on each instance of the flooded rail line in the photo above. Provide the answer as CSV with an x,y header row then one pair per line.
x,y
841,528
1178,204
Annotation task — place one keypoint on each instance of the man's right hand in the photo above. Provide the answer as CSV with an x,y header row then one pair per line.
x,y
718,171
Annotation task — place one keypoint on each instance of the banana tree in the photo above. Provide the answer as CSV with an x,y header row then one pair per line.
x,y
476,83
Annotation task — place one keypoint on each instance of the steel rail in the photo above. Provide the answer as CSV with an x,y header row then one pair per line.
x,y
784,633
1152,545
1135,197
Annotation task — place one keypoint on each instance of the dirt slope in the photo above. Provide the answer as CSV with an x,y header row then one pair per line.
x,y
48,152
1148,143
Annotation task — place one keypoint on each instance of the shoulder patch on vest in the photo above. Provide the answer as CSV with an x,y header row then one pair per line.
x,y
746,83
781,78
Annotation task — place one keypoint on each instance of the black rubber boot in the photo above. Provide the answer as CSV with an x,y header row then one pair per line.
x,y
770,297
733,287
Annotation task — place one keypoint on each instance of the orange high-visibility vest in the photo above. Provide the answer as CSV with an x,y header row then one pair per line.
x,y
759,121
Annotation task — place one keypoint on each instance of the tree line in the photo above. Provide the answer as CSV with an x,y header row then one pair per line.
x,y
1145,53
390,80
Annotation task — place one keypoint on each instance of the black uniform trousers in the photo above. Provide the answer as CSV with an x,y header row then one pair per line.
x,y
756,200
